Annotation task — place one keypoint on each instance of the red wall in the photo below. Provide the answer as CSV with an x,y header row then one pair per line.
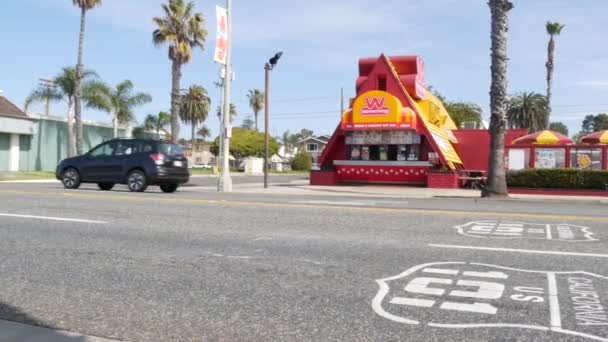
x,y
474,146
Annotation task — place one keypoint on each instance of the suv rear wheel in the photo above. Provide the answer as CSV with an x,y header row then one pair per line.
x,y
168,188
70,178
136,181
105,186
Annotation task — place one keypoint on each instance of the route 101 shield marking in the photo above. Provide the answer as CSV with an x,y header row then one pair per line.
x,y
472,295
521,230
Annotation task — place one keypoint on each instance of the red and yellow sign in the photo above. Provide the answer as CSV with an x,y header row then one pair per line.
x,y
378,110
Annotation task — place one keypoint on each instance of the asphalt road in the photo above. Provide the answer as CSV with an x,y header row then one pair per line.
x,y
209,267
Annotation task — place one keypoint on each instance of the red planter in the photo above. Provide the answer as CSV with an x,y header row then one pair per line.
x,y
323,178
443,180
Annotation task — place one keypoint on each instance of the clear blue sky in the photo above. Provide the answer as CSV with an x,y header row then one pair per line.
x,y
322,41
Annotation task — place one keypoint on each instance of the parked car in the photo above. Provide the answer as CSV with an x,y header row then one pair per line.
x,y
137,163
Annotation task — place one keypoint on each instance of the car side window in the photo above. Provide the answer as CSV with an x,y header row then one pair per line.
x,y
145,147
104,150
125,148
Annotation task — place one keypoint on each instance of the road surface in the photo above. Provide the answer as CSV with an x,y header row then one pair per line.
x,y
202,266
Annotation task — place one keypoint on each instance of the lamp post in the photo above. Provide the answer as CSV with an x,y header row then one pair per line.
x,y
268,67
225,182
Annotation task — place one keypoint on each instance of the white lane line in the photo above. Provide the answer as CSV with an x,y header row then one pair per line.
x,y
529,251
556,320
549,235
52,218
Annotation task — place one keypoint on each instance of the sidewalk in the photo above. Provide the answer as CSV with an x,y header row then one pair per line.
x,y
302,188
17,332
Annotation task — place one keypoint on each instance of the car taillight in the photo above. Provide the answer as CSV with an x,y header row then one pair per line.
x,y
158,158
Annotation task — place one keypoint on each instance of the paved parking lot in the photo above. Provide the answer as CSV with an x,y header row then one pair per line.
x,y
246,267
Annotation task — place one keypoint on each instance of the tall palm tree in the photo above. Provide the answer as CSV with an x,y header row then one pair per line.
x,y
553,29
183,30
65,89
119,101
46,94
528,110
203,132
256,103
497,180
194,107
232,112
157,122
84,5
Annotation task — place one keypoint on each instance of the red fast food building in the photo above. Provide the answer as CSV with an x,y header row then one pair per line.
x,y
397,131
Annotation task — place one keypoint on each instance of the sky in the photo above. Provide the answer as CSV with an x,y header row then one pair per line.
x,y
322,41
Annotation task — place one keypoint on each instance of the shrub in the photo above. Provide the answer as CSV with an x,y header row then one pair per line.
x,y
301,162
558,179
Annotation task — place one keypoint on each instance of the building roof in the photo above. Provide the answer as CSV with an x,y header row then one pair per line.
x,y
8,109
318,139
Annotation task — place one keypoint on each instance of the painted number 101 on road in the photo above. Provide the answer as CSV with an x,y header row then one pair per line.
x,y
472,295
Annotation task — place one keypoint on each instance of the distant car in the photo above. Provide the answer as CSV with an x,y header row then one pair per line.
x,y
137,163
200,166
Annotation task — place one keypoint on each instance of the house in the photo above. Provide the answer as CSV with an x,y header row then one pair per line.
x,y
314,146
200,153
32,142
16,129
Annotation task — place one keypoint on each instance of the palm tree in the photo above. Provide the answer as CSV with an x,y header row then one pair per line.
x,y
528,110
65,89
497,180
232,112
157,122
119,101
256,102
203,132
553,29
46,94
183,30
84,6
194,107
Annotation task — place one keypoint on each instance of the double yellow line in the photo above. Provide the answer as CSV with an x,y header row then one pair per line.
x,y
135,198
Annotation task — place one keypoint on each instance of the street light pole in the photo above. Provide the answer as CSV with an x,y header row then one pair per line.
x,y
225,182
268,67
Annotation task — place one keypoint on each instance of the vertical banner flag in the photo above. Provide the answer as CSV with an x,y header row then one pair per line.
x,y
221,40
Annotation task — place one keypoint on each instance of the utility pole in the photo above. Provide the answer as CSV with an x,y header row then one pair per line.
x,y
49,85
268,67
225,182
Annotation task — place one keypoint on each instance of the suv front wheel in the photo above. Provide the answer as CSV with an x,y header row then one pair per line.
x,y
70,178
136,181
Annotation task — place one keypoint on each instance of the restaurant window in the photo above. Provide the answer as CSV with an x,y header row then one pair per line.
x,y
586,158
384,145
382,82
312,147
550,158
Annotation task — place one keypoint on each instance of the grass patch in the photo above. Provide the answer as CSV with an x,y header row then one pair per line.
x,y
201,171
292,172
26,175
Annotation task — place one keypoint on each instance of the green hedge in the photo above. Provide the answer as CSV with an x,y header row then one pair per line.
x,y
301,162
558,179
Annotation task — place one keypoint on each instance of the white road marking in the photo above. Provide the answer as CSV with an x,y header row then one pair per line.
x,y
556,320
549,235
425,303
529,251
52,218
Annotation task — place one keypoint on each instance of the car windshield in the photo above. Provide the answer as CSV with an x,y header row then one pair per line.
x,y
171,150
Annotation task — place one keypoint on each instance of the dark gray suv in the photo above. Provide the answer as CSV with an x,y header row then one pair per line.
x,y
137,163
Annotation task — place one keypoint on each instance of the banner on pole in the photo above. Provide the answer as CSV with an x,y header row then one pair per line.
x,y
221,40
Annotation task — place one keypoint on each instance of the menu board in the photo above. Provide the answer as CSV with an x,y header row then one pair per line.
x,y
382,138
